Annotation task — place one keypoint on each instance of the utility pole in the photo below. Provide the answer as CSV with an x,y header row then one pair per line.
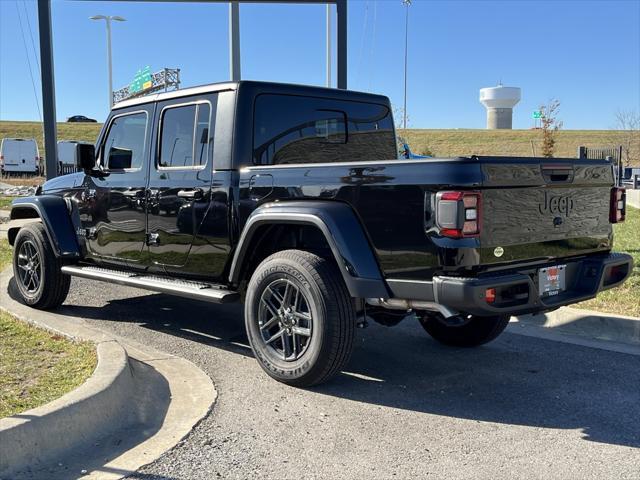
x,y
407,4
341,47
108,19
328,45
48,89
234,42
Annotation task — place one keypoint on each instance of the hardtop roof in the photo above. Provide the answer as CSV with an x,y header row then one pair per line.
x,y
256,87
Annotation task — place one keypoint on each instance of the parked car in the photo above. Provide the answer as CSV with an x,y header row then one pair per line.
x,y
81,119
294,195
19,156
68,156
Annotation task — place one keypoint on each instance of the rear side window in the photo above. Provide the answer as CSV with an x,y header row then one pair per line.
x,y
295,129
124,146
184,136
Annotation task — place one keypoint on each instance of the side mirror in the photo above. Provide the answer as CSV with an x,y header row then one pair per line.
x,y
86,157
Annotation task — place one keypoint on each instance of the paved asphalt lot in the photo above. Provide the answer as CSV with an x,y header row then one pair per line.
x,y
407,407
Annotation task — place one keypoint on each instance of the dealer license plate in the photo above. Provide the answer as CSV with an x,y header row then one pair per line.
x,y
551,280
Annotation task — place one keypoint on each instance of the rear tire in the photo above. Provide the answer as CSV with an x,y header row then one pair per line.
x,y
474,332
36,269
299,317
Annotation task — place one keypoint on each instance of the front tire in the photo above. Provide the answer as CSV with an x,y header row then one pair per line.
x,y
474,331
36,269
299,318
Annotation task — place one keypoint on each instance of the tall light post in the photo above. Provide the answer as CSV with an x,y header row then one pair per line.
x,y
407,4
108,19
328,45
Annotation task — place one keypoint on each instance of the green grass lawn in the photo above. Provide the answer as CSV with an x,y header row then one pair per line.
x,y
6,253
37,366
5,202
624,300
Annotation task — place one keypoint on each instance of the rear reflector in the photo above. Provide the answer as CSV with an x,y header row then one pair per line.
x,y
490,295
617,205
615,274
458,214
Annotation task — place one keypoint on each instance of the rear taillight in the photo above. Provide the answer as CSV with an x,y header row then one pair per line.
x,y
459,214
618,205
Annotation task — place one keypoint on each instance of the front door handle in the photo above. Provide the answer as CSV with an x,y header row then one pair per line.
x,y
191,194
89,194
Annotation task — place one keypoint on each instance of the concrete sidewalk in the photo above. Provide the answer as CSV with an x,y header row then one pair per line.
x,y
587,324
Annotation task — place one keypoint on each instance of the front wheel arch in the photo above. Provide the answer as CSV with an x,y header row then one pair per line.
x,y
54,214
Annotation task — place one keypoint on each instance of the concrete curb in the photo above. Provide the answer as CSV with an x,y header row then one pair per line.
x,y
190,395
588,324
44,433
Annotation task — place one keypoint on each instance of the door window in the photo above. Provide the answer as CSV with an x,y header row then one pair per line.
x,y
184,136
124,146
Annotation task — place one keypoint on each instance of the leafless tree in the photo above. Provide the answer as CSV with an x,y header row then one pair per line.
x,y
628,123
398,116
550,125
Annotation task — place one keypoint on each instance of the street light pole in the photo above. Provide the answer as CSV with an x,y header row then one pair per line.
x,y
407,3
108,19
328,45
48,89
234,42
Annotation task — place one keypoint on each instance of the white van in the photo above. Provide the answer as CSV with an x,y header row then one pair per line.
x,y
68,156
19,155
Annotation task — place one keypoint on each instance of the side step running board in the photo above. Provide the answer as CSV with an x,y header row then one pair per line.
x,y
208,292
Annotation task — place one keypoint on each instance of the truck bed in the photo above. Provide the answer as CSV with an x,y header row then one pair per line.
x,y
533,209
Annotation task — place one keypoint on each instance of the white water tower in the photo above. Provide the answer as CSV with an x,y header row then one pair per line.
x,y
499,102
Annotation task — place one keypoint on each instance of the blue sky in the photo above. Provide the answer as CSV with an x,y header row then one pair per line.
x,y
585,53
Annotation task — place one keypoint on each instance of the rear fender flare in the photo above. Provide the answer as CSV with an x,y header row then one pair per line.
x,y
342,230
53,212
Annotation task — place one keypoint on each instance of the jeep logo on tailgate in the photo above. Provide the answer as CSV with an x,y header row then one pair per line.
x,y
556,204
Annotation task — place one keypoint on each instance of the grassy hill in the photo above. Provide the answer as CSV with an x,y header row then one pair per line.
x,y
450,143
441,143
66,131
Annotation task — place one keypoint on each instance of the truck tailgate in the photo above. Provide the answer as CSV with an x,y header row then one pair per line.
x,y
544,208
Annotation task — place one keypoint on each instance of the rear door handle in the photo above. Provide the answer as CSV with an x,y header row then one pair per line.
x,y
191,194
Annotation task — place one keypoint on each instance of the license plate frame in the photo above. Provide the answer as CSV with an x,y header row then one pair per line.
x,y
552,280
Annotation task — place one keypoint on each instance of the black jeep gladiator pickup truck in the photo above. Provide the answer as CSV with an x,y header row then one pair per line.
x,y
293,199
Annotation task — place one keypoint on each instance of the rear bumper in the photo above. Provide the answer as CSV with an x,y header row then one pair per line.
x,y
517,291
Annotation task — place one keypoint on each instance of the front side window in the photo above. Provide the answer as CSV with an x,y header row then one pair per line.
x,y
292,129
184,136
124,146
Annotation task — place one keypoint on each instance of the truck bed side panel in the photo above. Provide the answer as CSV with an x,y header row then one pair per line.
x,y
389,198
